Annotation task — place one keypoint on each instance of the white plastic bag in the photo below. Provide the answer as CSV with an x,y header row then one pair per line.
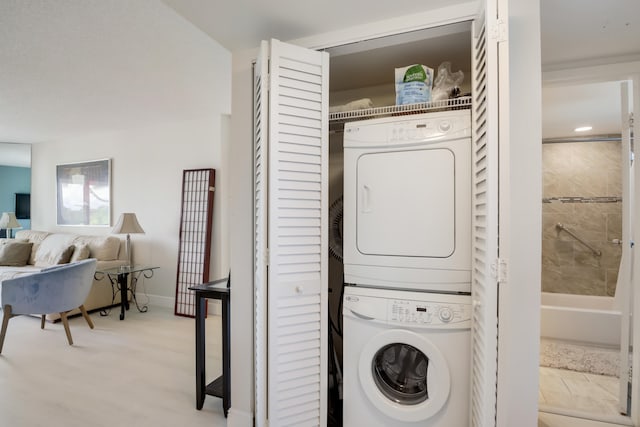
x,y
413,84
446,82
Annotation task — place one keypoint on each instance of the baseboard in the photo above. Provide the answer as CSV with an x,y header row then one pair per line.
x,y
215,307
238,418
160,301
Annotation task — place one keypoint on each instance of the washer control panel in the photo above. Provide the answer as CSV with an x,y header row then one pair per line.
x,y
427,312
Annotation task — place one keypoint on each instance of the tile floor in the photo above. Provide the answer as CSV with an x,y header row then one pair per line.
x,y
554,420
578,391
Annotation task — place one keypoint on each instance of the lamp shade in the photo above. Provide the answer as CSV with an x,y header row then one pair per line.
x,y
127,224
8,220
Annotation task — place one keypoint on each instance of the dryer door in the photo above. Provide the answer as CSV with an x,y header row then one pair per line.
x,y
406,203
404,375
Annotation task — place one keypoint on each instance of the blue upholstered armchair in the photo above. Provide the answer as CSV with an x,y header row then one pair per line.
x,y
58,289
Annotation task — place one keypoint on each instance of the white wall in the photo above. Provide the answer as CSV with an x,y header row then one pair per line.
x,y
520,222
241,242
155,100
147,167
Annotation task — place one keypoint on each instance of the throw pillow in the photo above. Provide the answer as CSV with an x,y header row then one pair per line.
x,y
15,254
65,256
53,258
5,240
54,249
102,248
34,252
80,252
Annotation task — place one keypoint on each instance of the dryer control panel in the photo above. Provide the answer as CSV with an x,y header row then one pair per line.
x,y
422,130
428,313
401,130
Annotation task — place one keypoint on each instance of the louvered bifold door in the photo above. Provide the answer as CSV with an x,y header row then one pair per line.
x,y
261,160
194,248
297,236
484,223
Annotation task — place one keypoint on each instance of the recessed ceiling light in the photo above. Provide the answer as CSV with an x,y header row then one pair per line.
x,y
583,128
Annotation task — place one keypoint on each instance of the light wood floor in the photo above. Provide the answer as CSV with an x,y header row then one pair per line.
x,y
136,372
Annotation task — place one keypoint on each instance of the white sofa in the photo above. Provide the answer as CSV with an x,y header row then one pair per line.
x,y
58,248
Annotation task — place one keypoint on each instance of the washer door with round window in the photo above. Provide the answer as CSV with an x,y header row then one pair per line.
x,y
404,375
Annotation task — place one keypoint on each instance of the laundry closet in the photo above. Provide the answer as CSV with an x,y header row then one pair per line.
x,y
362,87
300,201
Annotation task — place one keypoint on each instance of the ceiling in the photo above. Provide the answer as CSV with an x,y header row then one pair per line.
x,y
586,32
16,155
595,104
76,66
241,24
591,31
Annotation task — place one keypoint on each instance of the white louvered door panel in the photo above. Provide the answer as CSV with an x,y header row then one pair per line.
x,y
260,129
485,222
298,176
296,210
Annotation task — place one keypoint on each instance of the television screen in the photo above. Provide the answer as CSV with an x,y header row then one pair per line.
x,y
23,206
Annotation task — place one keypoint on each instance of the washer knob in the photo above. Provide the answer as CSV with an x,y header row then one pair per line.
x,y
445,314
444,126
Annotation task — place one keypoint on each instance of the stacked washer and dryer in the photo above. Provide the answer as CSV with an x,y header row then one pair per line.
x,y
407,266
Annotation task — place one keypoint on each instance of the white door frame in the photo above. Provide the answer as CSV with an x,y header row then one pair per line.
x,y
604,73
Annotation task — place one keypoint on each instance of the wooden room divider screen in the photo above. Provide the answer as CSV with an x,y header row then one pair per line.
x,y
194,250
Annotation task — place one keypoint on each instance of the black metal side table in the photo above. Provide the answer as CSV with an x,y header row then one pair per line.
x,y
221,386
119,278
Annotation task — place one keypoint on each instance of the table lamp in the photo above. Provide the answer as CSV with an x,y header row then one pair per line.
x,y
9,221
127,224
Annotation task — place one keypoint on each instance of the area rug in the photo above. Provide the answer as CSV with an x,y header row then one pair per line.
x,y
581,358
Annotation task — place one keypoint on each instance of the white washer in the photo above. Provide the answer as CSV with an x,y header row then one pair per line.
x,y
406,358
407,202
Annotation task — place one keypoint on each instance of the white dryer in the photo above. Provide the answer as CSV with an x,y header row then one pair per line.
x,y
407,202
406,358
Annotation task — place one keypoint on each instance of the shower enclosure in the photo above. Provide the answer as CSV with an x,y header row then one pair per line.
x,y
582,217
582,249
581,241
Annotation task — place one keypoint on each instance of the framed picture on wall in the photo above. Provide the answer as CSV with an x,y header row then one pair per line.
x,y
84,193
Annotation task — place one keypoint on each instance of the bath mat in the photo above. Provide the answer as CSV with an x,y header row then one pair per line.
x,y
581,358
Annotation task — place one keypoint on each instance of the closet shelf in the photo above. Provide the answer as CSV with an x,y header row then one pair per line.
x,y
461,103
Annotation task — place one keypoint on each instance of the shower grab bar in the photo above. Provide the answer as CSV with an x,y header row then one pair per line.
x,y
580,199
561,227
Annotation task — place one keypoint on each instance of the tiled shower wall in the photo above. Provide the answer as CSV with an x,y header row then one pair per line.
x,y
581,169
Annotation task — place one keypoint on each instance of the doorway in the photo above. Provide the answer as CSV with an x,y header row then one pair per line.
x,y
585,270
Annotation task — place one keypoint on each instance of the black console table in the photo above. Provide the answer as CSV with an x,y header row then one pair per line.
x,y
220,387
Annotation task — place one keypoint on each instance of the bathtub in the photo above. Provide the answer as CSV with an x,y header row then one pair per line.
x,y
583,318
